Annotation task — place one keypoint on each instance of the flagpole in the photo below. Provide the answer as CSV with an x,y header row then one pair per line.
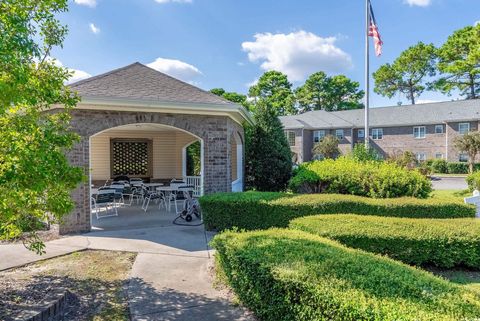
x,y
367,78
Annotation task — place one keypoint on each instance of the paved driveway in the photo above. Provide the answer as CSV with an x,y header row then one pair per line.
x,y
444,183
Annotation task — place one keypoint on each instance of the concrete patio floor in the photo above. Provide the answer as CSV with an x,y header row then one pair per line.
x,y
169,279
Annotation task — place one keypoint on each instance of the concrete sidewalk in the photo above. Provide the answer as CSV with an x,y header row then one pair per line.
x,y
169,278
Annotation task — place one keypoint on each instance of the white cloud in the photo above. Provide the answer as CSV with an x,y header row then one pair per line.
x,y
476,23
88,3
77,74
176,68
176,1
297,54
420,3
252,83
94,28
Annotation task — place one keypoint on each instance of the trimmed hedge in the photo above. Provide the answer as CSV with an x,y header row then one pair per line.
x,y
346,175
262,210
443,243
292,275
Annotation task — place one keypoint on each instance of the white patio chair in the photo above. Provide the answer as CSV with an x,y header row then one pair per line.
x,y
152,195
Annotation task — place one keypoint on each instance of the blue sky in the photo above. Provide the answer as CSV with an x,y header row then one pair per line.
x,y
229,44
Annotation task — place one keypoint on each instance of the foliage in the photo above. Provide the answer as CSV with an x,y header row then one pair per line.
x,y
233,97
35,176
194,162
349,176
268,156
327,147
274,89
255,210
438,165
473,181
361,153
329,93
406,75
457,168
459,63
293,275
405,159
469,143
444,243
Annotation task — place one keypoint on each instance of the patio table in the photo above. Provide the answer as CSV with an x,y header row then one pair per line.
x,y
152,186
169,189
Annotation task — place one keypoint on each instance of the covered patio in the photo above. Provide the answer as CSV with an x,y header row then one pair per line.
x,y
137,122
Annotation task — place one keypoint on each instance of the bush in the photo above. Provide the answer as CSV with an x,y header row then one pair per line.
x,y
443,243
348,176
292,275
438,166
255,210
473,181
457,168
363,154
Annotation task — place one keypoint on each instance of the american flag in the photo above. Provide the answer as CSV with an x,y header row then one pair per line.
x,y
373,31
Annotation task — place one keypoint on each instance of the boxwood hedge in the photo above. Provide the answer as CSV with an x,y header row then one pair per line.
x,y
261,210
439,242
292,275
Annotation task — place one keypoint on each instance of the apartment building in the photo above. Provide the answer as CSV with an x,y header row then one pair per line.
x,y
427,130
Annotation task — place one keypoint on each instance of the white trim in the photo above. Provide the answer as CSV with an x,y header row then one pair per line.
x,y
419,132
236,112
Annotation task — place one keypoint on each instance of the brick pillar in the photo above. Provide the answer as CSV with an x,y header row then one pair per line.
x,y
217,164
79,219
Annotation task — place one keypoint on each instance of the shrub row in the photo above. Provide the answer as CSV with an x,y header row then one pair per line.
x,y
292,275
262,210
346,175
443,243
443,167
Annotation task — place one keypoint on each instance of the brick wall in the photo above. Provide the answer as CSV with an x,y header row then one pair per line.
x,y
215,131
396,140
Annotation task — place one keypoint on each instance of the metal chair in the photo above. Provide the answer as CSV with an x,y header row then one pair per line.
x,y
105,199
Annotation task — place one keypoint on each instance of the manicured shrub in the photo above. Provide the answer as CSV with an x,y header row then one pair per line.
x,y
438,166
349,176
457,168
256,210
439,242
473,181
292,275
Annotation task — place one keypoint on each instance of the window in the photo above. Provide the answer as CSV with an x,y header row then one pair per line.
x,y
377,133
421,157
290,137
419,132
318,135
438,129
439,156
463,158
339,133
463,128
361,133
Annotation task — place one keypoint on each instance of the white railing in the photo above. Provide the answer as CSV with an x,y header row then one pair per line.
x,y
196,181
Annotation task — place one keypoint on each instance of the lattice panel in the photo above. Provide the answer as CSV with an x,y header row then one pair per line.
x,y
130,158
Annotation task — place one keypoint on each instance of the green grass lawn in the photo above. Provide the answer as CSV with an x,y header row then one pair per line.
x,y
455,195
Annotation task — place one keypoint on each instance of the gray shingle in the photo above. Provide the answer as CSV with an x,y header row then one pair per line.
x,y
449,111
137,81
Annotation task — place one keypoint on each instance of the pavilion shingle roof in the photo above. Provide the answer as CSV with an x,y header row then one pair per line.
x,y
137,81
449,111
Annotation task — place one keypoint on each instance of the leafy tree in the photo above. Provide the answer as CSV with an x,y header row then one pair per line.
x,y
268,156
405,159
233,97
194,162
274,88
470,144
406,75
329,93
459,63
363,154
35,176
327,147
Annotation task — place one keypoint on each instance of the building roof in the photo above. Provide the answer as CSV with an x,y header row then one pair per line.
x,y
420,114
137,81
